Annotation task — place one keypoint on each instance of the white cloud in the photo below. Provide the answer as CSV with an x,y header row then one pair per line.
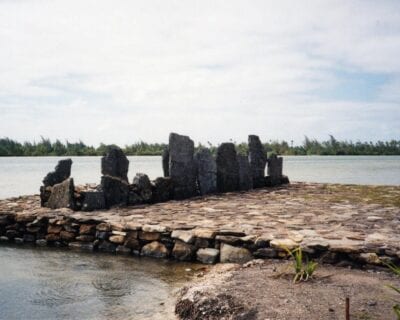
x,y
107,71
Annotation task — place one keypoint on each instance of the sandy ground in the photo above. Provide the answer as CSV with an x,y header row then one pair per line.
x,y
266,291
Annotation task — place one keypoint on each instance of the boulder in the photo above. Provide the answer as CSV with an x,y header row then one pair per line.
x,y
155,249
142,186
227,168
183,251
162,190
206,171
115,191
234,254
245,176
258,161
182,169
62,172
62,195
93,200
115,163
207,255
165,162
275,165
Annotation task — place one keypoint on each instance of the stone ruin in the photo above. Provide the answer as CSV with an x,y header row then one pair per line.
x,y
187,173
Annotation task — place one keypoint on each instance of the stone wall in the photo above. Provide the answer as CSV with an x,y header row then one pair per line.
x,y
186,174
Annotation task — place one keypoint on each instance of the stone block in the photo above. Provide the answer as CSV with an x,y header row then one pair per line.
x,y
207,255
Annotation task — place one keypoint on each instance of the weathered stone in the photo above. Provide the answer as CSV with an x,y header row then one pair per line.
x,y
54,228
149,236
102,235
275,165
206,171
61,173
123,250
227,168
283,244
41,242
62,195
165,162
118,239
19,240
245,177
11,234
115,191
155,228
264,240
258,161
4,239
234,254
266,253
87,229
182,169
82,246
207,255
155,249
103,227
52,237
162,190
133,197
202,243
29,237
183,235
142,184
67,236
115,163
204,233
183,251
106,246
85,238
232,240
132,243
370,258
93,200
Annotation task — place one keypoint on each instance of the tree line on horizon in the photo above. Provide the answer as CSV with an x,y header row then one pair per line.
x,y
46,147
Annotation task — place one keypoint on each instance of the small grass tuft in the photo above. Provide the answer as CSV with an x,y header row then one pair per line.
x,y
303,267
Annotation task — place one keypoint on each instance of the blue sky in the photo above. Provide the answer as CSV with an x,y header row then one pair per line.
x,y
120,72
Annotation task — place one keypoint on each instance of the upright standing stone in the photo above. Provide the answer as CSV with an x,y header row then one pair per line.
x,y
245,177
114,182
275,166
62,172
62,195
142,186
115,163
165,162
227,168
206,171
258,160
182,169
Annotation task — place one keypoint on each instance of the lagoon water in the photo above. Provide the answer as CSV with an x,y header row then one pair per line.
x,y
23,175
44,283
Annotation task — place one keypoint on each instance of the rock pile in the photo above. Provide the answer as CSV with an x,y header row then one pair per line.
x,y
186,174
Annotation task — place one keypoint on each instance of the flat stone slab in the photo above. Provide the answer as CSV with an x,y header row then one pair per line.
x,y
343,218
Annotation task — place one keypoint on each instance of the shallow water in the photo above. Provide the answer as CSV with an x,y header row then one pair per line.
x,y
42,283
23,175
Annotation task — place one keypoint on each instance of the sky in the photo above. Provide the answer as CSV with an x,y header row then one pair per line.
x,y
125,71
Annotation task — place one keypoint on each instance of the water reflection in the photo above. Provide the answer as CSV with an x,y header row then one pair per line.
x,y
48,284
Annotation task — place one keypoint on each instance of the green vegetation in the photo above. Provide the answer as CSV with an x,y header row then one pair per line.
x,y
396,271
45,147
303,268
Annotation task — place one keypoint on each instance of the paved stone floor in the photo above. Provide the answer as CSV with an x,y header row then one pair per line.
x,y
348,218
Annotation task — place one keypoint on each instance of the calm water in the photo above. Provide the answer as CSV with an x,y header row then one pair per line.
x,y
50,284
23,175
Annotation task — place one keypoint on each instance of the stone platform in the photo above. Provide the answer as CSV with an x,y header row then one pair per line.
x,y
336,223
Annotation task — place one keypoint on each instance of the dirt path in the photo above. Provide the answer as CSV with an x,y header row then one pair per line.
x,y
258,292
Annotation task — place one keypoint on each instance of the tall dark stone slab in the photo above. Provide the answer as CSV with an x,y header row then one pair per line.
x,y
258,161
115,163
275,167
165,162
182,169
115,191
227,168
114,182
62,171
162,189
245,176
206,171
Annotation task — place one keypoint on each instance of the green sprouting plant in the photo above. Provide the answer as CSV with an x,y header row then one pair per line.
x,y
396,271
303,268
